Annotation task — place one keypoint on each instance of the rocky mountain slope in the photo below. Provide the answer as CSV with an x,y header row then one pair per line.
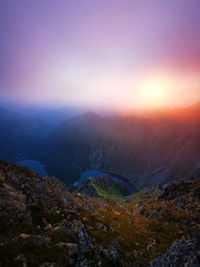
x,y
160,147
99,187
42,224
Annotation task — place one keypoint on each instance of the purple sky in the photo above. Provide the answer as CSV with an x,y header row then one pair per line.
x,y
100,52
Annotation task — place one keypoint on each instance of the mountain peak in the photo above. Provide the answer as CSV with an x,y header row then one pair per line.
x,y
90,114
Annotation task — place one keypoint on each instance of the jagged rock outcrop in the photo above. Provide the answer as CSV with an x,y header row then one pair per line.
x,y
181,253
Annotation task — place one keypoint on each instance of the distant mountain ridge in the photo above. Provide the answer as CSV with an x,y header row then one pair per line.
x,y
18,134
190,113
154,148
157,148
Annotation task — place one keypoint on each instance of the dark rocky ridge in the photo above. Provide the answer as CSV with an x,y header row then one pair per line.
x,y
90,187
42,224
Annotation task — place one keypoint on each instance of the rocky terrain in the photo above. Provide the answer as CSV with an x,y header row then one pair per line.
x,y
181,253
99,187
42,224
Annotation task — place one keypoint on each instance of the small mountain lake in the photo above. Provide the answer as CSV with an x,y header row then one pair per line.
x,y
33,165
40,168
96,174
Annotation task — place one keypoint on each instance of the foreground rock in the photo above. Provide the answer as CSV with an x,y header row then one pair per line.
x,y
181,253
42,224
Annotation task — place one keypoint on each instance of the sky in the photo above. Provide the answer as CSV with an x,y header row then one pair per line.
x,y
123,54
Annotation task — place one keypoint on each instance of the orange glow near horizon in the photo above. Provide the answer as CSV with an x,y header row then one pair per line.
x,y
166,89
117,55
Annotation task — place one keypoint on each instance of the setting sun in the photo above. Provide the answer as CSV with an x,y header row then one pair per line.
x,y
99,133
155,91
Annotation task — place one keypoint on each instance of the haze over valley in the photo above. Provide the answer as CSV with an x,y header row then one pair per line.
x,y
100,133
158,147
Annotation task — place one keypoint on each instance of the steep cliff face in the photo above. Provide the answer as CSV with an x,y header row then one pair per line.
x,y
42,224
147,150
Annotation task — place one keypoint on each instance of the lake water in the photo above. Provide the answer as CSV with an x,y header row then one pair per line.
x,y
33,165
96,174
40,168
